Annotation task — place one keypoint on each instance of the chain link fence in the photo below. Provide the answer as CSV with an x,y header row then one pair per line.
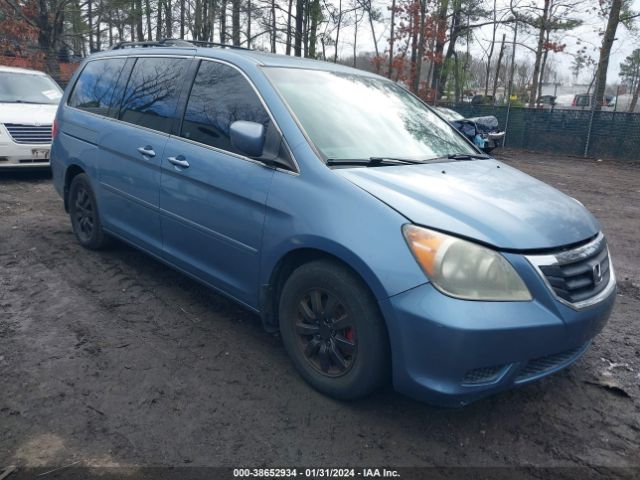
x,y
585,133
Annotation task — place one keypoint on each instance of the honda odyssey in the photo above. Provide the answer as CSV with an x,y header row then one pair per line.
x,y
354,220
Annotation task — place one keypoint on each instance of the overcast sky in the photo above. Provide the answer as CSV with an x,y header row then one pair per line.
x,y
587,35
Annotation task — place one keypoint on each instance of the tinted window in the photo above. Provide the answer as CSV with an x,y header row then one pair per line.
x,y
94,90
220,96
151,96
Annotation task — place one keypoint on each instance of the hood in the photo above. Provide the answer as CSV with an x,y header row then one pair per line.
x,y
485,124
27,113
484,200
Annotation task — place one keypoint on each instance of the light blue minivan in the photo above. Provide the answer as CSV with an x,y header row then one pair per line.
x,y
354,220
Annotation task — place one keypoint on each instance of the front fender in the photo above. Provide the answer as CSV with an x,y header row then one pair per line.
x,y
329,248
327,213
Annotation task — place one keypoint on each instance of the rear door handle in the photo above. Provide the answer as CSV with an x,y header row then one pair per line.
x,y
147,151
179,161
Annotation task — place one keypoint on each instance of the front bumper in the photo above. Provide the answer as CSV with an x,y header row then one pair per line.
x,y
451,352
14,155
494,139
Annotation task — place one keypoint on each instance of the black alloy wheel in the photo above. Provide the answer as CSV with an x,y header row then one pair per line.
x,y
83,214
326,333
333,331
85,218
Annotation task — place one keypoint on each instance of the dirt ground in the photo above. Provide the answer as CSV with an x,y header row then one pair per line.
x,y
112,358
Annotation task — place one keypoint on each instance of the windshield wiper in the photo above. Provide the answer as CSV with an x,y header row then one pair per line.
x,y
372,161
379,160
458,157
467,156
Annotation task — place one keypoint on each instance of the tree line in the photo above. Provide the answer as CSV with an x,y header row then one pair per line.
x,y
429,45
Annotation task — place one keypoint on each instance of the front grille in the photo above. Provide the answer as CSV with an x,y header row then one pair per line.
x,y
30,134
577,275
482,375
539,366
34,160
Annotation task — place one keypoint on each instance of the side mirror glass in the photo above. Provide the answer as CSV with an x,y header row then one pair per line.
x,y
247,137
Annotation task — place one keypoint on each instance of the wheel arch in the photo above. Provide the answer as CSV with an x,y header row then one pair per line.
x,y
294,258
70,173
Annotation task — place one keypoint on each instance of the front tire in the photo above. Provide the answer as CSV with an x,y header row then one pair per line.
x,y
83,211
333,331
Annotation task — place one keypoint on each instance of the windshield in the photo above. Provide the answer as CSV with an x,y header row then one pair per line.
x,y
351,116
28,88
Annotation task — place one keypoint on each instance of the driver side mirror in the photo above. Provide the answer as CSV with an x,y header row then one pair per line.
x,y
247,137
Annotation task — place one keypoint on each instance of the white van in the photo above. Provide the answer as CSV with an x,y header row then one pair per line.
x,y
28,103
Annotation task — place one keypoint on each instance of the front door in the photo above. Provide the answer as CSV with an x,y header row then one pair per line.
x,y
212,198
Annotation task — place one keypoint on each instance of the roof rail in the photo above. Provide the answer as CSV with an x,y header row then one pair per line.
x,y
174,42
165,42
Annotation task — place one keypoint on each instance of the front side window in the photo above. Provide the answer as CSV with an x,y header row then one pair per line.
x,y
355,117
152,93
219,97
28,88
94,90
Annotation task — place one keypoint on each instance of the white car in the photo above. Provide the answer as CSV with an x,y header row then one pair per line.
x,y
28,103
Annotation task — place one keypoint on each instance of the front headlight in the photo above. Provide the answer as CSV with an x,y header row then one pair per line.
x,y
463,269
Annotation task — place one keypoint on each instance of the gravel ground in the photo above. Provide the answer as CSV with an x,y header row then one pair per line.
x,y
114,359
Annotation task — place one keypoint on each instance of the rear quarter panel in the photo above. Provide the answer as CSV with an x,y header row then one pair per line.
x,y
68,149
75,144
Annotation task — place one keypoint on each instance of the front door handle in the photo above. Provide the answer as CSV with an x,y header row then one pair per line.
x,y
179,161
147,151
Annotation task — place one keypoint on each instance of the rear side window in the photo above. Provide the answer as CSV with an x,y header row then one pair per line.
x,y
220,96
151,96
94,90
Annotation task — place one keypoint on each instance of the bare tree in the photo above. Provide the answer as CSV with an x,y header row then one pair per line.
x,y
421,44
498,65
494,29
392,38
605,51
235,22
48,22
630,72
338,18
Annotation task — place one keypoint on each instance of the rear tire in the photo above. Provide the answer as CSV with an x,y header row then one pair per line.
x,y
333,331
83,211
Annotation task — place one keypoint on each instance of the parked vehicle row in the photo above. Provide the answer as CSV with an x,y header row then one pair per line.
x,y
373,235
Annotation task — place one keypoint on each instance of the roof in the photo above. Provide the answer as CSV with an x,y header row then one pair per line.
x,y
229,53
278,60
4,68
